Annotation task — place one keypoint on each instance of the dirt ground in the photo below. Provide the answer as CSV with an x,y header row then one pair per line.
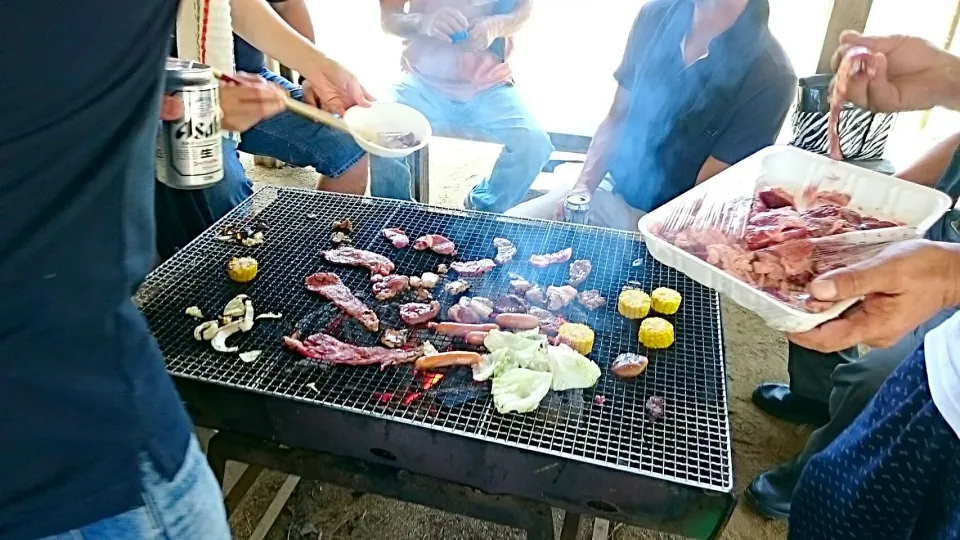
x,y
323,512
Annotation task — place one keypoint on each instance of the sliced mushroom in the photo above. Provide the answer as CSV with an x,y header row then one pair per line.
x,y
206,331
246,324
268,316
220,339
194,312
235,307
250,356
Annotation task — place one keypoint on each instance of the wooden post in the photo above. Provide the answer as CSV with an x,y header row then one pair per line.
x,y
844,15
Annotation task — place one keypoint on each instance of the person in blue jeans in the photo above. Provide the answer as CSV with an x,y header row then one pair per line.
x,y
343,166
457,74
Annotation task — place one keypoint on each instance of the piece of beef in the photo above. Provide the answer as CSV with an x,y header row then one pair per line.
x,y
774,227
534,295
415,313
394,339
518,284
549,323
656,408
510,303
473,268
329,349
560,297
506,251
390,286
457,287
579,272
346,226
545,260
775,197
436,243
855,60
377,264
397,237
329,286
831,198
591,299
471,310
869,224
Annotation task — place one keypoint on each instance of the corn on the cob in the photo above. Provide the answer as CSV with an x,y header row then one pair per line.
x,y
666,301
242,269
633,304
656,333
578,336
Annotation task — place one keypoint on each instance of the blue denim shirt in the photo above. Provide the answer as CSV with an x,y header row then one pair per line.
x,y
946,230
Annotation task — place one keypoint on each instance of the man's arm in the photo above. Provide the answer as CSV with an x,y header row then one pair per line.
x,y
597,163
296,14
397,23
508,24
256,22
930,167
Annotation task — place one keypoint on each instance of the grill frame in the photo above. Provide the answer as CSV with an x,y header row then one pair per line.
x,y
188,360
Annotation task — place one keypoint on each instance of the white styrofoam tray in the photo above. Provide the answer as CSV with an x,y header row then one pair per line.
x,y
873,194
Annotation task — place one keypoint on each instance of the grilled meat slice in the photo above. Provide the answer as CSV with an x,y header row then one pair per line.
x,y
518,284
549,323
470,310
457,287
330,349
591,299
505,250
390,286
545,260
338,238
394,339
436,243
397,237
473,268
415,313
346,226
534,295
377,264
560,297
329,286
510,303
579,272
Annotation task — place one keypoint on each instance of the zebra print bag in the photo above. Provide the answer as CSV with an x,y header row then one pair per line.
x,y
863,134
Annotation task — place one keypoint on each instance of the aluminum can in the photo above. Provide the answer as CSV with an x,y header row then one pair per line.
x,y
576,208
189,149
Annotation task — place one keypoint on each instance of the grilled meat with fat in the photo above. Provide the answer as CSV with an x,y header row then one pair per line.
x,y
329,286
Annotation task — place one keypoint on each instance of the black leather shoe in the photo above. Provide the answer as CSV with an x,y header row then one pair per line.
x,y
777,400
770,495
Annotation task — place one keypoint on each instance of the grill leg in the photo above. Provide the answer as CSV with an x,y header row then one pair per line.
x,y
541,526
216,458
571,526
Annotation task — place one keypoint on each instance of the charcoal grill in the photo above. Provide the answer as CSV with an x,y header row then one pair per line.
x,y
579,451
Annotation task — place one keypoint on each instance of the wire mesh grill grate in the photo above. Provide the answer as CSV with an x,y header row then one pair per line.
x,y
691,445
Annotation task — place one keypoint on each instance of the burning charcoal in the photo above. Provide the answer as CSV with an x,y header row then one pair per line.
x,y
656,408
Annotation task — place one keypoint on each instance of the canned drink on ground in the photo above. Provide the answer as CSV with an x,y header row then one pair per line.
x,y
576,209
189,149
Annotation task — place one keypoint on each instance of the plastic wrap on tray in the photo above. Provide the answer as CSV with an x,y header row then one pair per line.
x,y
774,239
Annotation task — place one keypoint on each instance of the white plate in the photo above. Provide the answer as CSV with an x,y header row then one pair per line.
x,y
873,194
384,116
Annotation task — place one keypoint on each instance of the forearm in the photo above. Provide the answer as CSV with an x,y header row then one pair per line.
x,y
951,270
296,14
256,22
596,165
400,24
930,167
509,24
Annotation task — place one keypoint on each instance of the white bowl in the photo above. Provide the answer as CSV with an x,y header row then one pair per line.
x,y
383,116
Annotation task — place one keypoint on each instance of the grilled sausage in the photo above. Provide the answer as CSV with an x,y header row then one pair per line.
x,y
517,321
460,329
452,358
475,338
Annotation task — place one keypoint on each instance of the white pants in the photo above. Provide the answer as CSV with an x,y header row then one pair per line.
x,y
607,209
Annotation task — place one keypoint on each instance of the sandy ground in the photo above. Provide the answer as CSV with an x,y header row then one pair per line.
x,y
318,511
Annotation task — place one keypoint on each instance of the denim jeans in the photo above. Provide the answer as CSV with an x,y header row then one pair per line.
x,y
189,507
299,141
496,115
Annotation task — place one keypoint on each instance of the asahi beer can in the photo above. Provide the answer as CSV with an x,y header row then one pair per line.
x,y
576,209
189,151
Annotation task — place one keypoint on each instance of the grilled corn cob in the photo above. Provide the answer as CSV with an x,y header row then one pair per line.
x,y
578,336
633,304
242,269
656,333
666,301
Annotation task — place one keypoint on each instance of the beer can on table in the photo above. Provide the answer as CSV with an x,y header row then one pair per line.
x,y
189,151
576,209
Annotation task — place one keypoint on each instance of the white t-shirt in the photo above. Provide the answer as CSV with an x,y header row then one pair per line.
x,y
942,349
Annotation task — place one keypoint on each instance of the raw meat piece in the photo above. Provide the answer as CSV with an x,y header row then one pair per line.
x,y
579,272
439,244
390,286
545,260
856,61
591,299
775,197
473,268
656,408
518,284
345,226
773,227
869,224
831,198
456,287
415,313
397,237
471,310
505,250
534,295
329,286
329,349
560,297
377,264
549,323
510,303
